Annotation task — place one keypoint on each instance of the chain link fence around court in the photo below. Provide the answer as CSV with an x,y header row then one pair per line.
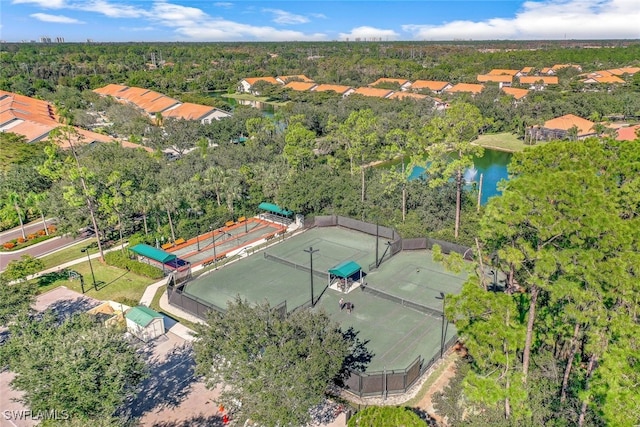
x,y
199,307
283,261
404,302
397,381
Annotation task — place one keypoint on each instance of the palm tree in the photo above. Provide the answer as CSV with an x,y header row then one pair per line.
x,y
167,199
37,201
14,198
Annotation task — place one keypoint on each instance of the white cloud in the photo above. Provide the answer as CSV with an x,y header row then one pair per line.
x,y
47,4
549,19
287,18
223,4
369,33
59,19
223,30
112,10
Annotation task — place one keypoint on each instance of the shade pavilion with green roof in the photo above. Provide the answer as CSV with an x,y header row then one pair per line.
x,y
154,254
345,272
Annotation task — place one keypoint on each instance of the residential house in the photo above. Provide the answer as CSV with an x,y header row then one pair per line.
x,y
154,104
603,79
502,72
339,89
297,78
501,79
433,85
518,94
374,92
557,67
624,70
562,127
300,86
188,111
628,133
524,72
35,119
246,85
403,83
538,82
471,88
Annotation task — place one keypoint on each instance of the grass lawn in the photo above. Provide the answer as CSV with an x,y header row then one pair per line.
x,y
67,254
113,283
501,141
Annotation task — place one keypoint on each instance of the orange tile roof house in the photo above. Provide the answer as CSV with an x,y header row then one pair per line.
x,y
374,92
502,79
35,119
538,82
246,85
557,67
466,88
188,111
298,78
501,72
559,128
340,89
624,70
432,85
547,70
403,83
152,103
300,86
518,94
524,71
629,133
603,79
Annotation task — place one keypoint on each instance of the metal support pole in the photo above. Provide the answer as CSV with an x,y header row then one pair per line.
x,y
442,297
311,251
93,276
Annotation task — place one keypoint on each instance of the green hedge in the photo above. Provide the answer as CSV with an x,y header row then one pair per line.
x,y
121,260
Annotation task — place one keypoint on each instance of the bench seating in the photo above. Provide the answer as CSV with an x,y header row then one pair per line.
x,y
167,246
229,223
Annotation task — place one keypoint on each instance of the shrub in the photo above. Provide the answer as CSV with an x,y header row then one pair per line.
x,y
32,236
41,233
51,228
21,240
9,245
121,260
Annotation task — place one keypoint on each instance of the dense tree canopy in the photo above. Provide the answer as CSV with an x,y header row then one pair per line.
x,y
276,369
75,365
565,237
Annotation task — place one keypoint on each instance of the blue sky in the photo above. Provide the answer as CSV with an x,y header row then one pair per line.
x,y
201,20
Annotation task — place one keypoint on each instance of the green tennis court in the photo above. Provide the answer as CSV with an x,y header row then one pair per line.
x,y
394,334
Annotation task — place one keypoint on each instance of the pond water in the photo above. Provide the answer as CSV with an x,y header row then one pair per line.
x,y
492,166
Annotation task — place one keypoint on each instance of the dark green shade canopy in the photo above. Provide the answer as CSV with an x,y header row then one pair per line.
x,y
153,253
345,269
274,208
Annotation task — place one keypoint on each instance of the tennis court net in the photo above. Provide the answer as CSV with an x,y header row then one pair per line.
x,y
323,274
406,303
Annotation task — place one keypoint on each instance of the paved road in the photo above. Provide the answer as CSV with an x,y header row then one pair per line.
x,y
37,250
32,227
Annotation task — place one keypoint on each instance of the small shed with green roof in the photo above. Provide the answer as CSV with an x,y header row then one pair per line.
x,y
145,323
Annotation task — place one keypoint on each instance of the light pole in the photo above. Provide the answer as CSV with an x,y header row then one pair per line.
x,y
93,276
443,298
311,251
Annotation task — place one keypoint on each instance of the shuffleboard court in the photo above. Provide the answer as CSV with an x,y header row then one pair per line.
x,y
226,239
394,334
